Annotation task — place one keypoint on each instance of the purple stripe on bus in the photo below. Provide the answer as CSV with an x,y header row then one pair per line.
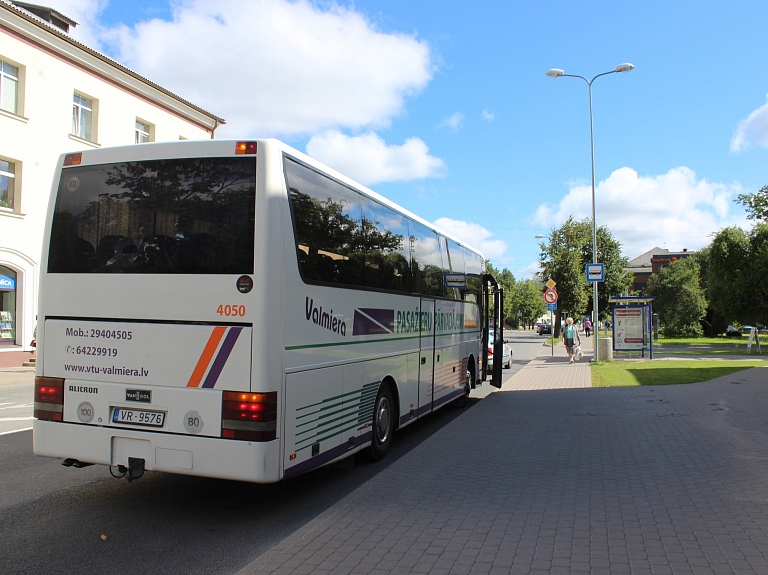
x,y
446,398
436,403
221,358
325,457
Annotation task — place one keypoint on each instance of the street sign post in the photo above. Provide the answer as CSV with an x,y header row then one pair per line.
x,y
550,298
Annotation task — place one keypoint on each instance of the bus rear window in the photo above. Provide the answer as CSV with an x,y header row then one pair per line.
x,y
180,216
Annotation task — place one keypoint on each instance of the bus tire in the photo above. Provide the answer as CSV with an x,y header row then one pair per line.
x,y
383,427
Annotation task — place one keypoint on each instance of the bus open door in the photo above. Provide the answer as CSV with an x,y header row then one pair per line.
x,y
491,289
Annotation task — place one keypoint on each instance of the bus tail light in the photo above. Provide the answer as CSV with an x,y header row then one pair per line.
x,y
249,416
49,398
245,148
73,159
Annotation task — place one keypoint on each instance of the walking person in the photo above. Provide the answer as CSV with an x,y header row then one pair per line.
x,y
570,336
587,327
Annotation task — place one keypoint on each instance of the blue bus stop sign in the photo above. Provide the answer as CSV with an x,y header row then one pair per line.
x,y
595,273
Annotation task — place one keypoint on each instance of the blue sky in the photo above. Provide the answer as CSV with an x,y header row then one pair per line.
x,y
444,106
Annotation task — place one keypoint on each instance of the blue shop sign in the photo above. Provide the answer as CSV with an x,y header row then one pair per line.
x,y
7,284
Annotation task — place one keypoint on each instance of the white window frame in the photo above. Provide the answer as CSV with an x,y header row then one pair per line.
x,y
5,79
145,130
13,176
80,125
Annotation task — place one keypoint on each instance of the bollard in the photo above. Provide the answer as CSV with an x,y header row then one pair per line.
x,y
605,348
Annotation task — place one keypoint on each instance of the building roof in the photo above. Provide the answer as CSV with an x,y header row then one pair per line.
x,y
644,260
22,9
50,15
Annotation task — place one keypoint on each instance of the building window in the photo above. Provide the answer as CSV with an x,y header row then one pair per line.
x,y
82,117
9,87
7,183
144,132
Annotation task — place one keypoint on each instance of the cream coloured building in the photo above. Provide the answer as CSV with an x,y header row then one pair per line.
x,y
57,95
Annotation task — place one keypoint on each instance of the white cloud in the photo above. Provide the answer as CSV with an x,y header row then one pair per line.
x,y
368,159
752,130
487,116
453,121
270,67
474,235
529,271
675,209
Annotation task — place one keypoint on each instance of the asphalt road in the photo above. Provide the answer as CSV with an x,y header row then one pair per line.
x,y
64,520
16,399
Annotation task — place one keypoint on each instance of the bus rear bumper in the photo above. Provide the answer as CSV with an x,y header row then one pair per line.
x,y
187,455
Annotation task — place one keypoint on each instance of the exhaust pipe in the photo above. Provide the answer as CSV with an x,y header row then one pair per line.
x,y
69,462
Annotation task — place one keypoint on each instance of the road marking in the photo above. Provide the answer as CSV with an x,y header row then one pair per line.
x,y
3,419
15,431
17,406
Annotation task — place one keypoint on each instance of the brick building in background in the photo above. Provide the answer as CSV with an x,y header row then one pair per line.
x,y
649,263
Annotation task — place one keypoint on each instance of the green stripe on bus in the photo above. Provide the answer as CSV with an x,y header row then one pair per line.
x,y
327,399
328,436
417,336
349,408
328,429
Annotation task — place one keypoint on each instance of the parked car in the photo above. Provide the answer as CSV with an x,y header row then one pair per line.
x,y
544,329
506,360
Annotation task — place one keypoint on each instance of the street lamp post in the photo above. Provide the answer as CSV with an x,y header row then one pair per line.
x,y
557,73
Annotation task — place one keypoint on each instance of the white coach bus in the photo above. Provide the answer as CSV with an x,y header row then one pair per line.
x,y
238,310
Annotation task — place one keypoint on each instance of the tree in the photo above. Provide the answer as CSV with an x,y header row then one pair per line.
x,y
714,322
737,278
727,285
564,257
506,281
680,300
756,204
561,261
617,279
528,301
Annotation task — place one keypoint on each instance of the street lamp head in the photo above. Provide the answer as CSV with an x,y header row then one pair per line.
x,y
626,67
556,72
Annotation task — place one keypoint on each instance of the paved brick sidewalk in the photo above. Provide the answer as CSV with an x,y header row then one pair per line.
x,y
653,480
550,373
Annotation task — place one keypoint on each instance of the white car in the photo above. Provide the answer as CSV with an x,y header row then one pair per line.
x,y
506,360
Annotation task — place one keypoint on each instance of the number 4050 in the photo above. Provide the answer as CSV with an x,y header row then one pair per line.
x,y
231,310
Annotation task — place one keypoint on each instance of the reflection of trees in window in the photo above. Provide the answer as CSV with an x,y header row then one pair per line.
x,y
347,238
159,216
343,237
426,262
386,254
329,240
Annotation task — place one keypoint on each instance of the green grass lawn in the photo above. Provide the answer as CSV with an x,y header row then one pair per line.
x,y
729,341
665,372
740,351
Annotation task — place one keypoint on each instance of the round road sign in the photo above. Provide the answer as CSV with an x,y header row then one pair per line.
x,y
550,296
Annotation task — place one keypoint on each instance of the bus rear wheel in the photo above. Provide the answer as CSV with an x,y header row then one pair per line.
x,y
383,422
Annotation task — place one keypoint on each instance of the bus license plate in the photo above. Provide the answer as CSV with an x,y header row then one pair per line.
x,y
138,417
